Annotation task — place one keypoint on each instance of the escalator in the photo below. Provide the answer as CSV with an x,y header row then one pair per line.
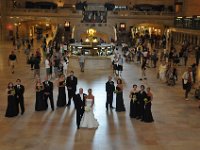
x,y
62,37
124,37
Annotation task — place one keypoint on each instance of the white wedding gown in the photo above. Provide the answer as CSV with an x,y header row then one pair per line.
x,y
88,120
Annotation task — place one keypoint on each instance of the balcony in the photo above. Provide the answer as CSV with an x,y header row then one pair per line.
x,y
132,13
58,12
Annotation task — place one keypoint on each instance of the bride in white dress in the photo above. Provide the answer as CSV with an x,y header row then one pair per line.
x,y
88,120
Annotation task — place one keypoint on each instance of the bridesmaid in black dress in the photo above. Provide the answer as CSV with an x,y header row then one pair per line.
x,y
119,97
12,108
133,102
40,103
61,102
147,116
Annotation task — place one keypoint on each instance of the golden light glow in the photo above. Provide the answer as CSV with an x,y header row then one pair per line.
x,y
67,24
95,40
87,40
91,32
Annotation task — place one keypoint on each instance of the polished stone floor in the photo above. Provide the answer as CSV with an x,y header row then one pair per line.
x,y
176,126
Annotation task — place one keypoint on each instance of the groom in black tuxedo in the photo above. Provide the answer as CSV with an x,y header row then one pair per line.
x,y
79,101
110,88
48,92
19,94
71,84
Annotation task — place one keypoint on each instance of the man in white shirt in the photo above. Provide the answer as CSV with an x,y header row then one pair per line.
x,y
82,62
47,66
120,65
187,80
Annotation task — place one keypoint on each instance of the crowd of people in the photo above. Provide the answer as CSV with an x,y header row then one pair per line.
x,y
57,61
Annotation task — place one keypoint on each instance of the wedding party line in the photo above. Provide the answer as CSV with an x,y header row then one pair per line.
x,y
140,99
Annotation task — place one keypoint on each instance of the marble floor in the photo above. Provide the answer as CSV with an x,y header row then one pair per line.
x,y
176,126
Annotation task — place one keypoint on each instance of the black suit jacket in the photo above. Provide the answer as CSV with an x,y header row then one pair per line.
x,y
78,102
71,84
19,91
110,87
48,87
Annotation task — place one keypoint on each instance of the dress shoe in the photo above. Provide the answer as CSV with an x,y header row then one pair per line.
x,y
112,107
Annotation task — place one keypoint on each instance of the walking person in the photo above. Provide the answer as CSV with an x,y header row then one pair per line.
x,y
47,67
197,54
12,59
37,67
115,65
120,65
79,106
185,56
56,65
82,62
19,95
65,66
71,84
187,81
162,71
110,88
48,92
143,70
31,59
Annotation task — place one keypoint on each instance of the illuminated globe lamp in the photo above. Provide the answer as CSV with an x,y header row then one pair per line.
x,y
94,41
86,41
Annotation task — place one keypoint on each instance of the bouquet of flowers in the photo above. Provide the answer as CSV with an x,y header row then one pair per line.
x,y
64,83
134,98
146,101
117,90
87,108
12,92
39,88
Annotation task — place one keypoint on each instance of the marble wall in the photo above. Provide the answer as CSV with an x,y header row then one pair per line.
x,y
191,7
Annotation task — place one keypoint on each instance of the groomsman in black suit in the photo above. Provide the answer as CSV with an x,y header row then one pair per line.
x,y
48,92
110,88
19,94
71,84
79,101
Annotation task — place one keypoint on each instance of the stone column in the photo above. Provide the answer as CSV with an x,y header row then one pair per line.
x,y
3,8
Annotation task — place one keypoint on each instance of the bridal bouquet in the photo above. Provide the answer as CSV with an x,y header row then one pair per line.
x,y
87,108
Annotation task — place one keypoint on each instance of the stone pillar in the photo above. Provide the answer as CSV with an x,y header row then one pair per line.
x,y
3,8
